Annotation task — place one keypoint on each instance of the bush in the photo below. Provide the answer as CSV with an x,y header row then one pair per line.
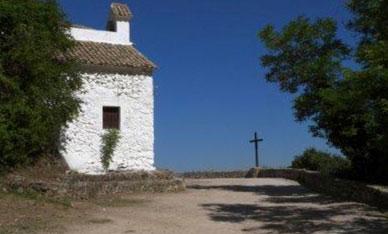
x,y
324,162
36,89
109,143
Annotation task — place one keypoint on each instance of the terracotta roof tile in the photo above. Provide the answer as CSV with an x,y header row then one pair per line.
x,y
120,12
110,55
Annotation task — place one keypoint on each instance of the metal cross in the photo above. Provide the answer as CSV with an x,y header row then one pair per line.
x,y
256,141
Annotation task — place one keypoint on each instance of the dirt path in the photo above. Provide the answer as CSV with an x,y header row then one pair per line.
x,y
233,206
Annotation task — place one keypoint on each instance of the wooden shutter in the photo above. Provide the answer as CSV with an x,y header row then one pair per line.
x,y
111,117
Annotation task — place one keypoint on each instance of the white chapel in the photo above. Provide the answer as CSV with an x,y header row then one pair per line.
x,y
117,93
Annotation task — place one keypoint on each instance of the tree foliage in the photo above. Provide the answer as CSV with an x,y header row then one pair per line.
x,y
36,89
347,106
326,163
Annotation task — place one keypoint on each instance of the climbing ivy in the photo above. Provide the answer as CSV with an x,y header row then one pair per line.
x,y
109,141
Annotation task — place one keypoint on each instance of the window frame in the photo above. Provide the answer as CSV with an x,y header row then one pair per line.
x,y
104,124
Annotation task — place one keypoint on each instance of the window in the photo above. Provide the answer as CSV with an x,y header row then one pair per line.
x,y
111,117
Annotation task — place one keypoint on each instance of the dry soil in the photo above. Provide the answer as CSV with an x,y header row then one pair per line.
x,y
232,206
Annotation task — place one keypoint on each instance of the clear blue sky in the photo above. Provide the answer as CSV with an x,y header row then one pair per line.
x,y
209,89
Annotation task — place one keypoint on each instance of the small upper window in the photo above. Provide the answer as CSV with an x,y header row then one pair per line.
x,y
111,117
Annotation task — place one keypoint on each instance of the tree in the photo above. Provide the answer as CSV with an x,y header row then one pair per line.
x,y
326,163
348,107
36,89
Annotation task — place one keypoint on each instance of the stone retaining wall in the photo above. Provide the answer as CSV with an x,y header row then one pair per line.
x,y
213,174
79,186
339,188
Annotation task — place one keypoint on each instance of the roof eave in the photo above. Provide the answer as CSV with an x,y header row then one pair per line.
x,y
124,70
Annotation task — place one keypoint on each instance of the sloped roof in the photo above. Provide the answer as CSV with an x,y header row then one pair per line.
x,y
112,56
120,12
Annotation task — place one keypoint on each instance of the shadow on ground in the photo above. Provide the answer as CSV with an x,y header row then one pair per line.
x,y
269,190
294,209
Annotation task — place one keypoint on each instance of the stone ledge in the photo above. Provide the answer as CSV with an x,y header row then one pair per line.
x,y
339,188
213,174
78,186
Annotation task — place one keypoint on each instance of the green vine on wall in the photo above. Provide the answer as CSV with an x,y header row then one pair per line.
x,y
109,141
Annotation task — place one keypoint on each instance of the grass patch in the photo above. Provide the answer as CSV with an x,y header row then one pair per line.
x,y
29,212
100,221
30,225
130,231
120,202
38,197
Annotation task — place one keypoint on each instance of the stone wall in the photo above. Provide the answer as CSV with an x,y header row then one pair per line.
x,y
339,188
81,186
135,150
213,174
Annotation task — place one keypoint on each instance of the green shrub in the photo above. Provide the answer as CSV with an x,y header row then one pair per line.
x,y
324,162
109,143
36,89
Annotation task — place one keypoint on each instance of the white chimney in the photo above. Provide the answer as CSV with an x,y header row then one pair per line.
x,y
119,18
117,28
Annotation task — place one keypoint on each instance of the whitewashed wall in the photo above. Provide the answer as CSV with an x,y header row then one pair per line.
x,y
122,36
134,96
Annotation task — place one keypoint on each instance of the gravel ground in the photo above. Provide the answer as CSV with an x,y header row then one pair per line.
x,y
233,206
